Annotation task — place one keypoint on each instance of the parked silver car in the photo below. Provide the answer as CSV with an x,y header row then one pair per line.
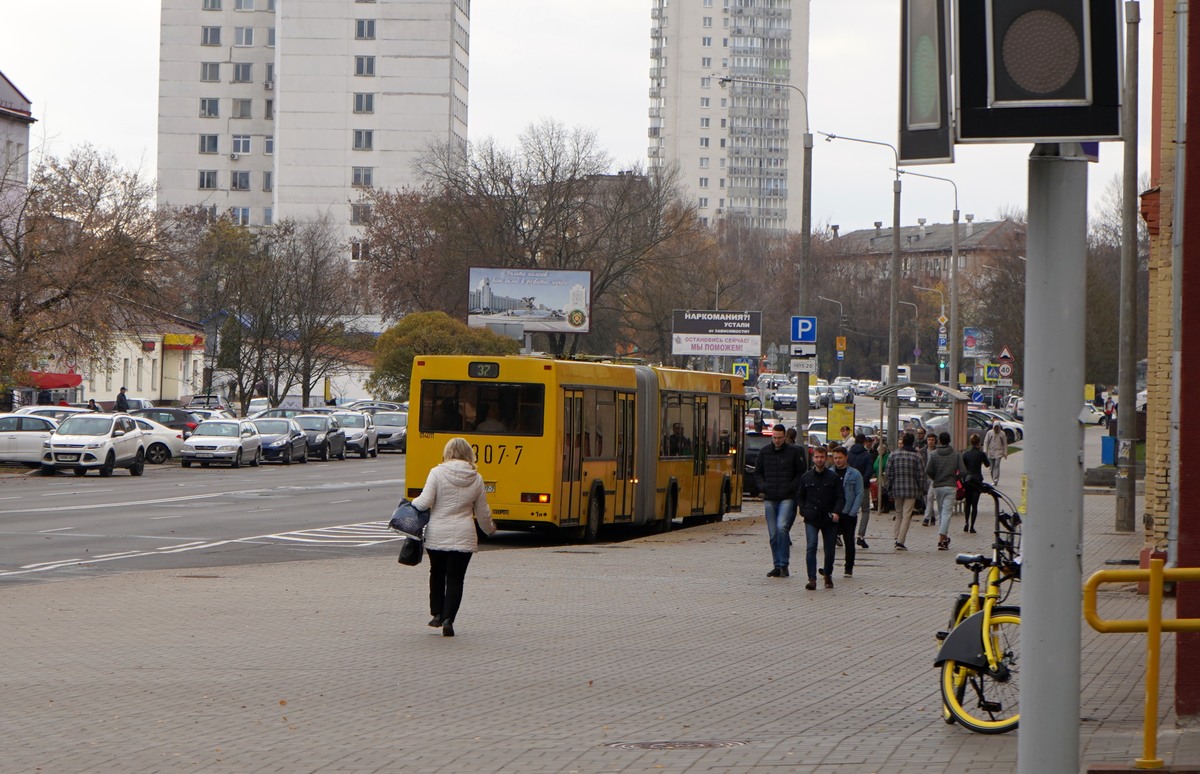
x,y
392,430
361,435
225,441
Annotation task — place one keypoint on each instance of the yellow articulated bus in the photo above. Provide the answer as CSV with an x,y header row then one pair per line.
x,y
574,446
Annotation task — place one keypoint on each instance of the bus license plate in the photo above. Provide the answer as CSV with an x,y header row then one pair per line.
x,y
489,487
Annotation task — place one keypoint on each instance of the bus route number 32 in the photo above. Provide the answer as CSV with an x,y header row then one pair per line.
x,y
498,454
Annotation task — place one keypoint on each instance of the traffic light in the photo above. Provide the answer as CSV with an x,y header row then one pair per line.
x,y
925,134
1038,70
941,362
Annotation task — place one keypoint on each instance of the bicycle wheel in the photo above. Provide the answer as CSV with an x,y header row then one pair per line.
x,y
984,701
962,609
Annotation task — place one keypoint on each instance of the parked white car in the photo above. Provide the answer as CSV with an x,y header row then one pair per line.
x,y
101,442
225,441
162,443
22,436
1091,415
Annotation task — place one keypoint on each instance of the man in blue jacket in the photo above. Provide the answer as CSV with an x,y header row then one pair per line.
x,y
861,459
852,490
777,473
821,501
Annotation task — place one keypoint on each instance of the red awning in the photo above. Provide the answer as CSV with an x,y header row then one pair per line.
x,y
44,380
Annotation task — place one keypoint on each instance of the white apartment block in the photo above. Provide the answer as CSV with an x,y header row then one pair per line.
x,y
739,147
16,116
272,109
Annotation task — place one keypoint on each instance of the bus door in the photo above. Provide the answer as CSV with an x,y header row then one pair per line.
x,y
570,499
699,453
625,479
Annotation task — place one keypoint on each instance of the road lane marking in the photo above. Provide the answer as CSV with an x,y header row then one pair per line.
x,y
75,492
183,545
176,516
56,529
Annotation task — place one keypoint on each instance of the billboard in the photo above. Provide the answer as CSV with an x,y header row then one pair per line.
x,y
542,300
738,334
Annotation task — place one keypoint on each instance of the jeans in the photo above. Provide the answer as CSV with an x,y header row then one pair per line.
x,y
828,532
447,569
944,496
780,515
864,512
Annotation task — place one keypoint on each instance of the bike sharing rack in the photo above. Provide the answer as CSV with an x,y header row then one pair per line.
x,y
1153,625
958,408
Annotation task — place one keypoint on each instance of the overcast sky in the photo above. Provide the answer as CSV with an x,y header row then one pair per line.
x,y
91,70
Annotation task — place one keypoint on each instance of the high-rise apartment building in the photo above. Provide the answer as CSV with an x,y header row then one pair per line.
x,y
739,147
273,109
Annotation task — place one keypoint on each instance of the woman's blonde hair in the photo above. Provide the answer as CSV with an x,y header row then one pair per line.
x,y
458,449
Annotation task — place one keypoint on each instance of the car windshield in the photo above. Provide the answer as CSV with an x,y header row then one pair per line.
x,y
271,426
391,419
352,420
85,426
312,423
224,429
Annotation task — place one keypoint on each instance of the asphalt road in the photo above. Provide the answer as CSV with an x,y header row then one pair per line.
x,y
57,527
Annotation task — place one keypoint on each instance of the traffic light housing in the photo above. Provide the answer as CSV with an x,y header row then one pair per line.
x,y
1038,70
941,362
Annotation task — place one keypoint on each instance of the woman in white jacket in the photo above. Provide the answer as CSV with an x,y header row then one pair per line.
x,y
453,495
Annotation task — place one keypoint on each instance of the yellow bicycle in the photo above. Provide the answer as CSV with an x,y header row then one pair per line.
x,y
979,654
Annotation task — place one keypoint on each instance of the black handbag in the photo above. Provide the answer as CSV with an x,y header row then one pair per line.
x,y
411,551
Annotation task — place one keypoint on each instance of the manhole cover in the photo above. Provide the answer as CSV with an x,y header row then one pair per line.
x,y
702,744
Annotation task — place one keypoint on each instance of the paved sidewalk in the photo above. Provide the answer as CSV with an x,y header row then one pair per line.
x,y
568,659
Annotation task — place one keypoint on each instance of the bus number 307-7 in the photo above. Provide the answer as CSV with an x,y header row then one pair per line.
x,y
488,454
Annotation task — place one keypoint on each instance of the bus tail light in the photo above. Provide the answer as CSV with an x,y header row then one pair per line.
x,y
535,497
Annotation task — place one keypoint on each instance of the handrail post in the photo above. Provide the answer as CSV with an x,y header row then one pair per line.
x,y
1150,759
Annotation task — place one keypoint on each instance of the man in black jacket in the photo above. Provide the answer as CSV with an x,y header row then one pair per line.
x,y
820,499
777,473
860,459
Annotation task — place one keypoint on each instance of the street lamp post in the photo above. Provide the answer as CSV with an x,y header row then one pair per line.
x,y
955,337
894,305
805,209
941,317
841,321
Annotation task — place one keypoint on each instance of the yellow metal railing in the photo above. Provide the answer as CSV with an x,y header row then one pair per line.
x,y
1153,625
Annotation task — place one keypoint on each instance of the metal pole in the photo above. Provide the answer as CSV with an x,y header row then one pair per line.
x,y
1051,546
1127,369
805,253
953,338
894,320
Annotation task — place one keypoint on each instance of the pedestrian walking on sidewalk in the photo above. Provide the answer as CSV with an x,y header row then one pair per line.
x,y
929,512
852,491
942,469
777,474
859,457
454,497
906,482
974,461
995,446
820,500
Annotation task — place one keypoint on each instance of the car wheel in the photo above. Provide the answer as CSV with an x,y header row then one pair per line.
x,y
110,462
237,459
254,463
304,455
77,471
375,450
139,464
365,451
157,454
287,456
186,463
342,454
324,455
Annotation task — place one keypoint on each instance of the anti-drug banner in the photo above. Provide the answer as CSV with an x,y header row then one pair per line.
x,y
715,332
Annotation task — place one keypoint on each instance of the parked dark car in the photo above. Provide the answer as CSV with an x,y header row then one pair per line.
x,y
393,430
325,436
174,418
282,440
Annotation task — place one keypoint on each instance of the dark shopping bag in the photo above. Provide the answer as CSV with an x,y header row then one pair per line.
x,y
410,552
407,519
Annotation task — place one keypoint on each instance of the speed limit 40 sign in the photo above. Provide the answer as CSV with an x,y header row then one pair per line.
x,y
1006,370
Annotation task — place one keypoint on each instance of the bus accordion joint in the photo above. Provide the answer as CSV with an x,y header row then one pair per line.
x,y
535,497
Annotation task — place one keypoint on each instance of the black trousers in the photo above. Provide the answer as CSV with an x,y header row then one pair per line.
x,y
846,527
447,569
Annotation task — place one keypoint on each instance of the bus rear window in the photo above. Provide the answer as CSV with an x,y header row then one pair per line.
x,y
482,408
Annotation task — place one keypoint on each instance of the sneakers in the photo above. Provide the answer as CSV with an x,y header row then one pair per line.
x,y
924,522
776,573
944,543
848,574
901,547
811,585
861,543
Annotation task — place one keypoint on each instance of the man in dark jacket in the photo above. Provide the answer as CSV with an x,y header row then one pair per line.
x,y
864,462
777,473
820,500
122,403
